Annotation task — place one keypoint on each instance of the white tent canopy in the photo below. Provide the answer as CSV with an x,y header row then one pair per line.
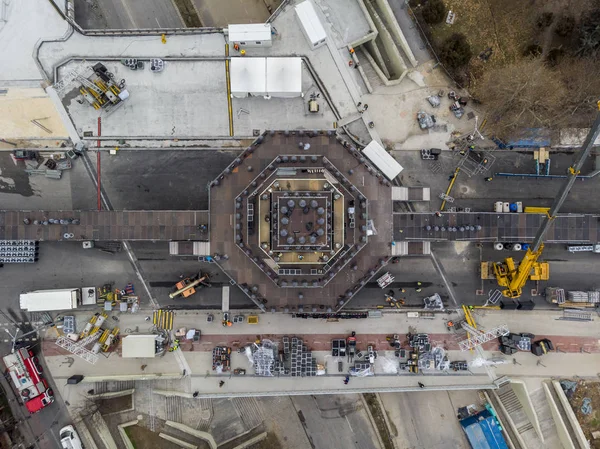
x,y
284,77
277,77
381,159
248,76
138,346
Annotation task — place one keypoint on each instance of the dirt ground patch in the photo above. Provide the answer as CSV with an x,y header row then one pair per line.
x,y
377,412
504,26
585,401
115,405
142,438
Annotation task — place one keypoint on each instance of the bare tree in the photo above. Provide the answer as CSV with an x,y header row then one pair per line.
x,y
523,95
582,84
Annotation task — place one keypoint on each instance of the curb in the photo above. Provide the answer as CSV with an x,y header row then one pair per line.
x,y
372,421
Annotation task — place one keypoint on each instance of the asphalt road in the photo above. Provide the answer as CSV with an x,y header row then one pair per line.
x,y
43,427
161,179
460,262
476,193
332,422
162,272
126,14
427,420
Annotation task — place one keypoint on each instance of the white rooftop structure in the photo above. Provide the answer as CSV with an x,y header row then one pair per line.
x,y
277,77
250,34
22,24
284,77
138,346
248,76
382,160
311,24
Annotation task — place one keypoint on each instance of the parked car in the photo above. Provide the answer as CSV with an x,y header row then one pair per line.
x,y
69,439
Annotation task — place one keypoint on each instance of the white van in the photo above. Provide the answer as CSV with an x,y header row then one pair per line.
x,y
69,438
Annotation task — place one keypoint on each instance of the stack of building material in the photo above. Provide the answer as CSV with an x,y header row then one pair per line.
x,y
301,361
18,251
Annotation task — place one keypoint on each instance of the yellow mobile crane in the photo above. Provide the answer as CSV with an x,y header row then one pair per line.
x,y
512,276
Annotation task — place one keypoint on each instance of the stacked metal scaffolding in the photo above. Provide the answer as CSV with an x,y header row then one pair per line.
x,y
263,356
18,251
78,348
302,362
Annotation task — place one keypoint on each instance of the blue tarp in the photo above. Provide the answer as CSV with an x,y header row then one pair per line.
x,y
529,138
483,431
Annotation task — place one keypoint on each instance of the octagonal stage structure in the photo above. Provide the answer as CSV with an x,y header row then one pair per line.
x,y
301,221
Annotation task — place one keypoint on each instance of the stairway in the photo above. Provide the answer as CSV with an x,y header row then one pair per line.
x,y
204,424
513,407
250,411
372,76
174,408
112,386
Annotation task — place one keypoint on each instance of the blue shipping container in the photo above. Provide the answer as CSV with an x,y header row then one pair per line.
x,y
483,431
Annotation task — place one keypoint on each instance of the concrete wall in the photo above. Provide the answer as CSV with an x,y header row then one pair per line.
x,y
373,52
570,415
396,64
522,394
559,422
386,13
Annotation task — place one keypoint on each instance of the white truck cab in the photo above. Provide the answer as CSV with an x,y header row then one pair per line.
x,y
69,439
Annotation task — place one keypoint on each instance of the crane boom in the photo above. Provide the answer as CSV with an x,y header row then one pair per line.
x,y
572,174
513,278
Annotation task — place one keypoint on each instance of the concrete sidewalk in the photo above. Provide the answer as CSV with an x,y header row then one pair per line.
x,y
581,353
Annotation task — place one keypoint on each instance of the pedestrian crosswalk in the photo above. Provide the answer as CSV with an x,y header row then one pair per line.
x,y
163,319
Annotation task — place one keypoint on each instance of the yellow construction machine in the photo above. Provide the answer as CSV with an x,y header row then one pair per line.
x,y
513,276
187,286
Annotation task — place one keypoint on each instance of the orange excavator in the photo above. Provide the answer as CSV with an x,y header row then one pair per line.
x,y
187,286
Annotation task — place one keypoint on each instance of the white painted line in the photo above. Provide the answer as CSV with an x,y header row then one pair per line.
x,y
157,22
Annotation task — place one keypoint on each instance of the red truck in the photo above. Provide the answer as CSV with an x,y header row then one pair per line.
x,y
26,373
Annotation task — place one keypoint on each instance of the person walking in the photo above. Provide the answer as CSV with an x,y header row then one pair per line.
x,y
489,179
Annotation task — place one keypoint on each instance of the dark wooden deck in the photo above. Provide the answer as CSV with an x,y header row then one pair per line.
x,y
104,225
244,270
496,227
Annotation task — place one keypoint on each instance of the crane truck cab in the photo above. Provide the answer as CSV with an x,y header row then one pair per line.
x,y
69,438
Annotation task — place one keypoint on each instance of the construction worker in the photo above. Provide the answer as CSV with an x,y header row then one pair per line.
x,y
350,63
403,290
418,289
351,50
462,152
489,179
236,47
243,52
419,283
421,385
